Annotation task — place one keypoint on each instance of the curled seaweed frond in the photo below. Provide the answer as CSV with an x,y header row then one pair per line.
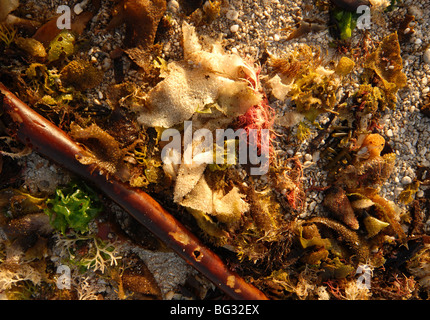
x,y
387,65
106,151
407,194
348,236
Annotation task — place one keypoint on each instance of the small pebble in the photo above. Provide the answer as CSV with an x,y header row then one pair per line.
x,y
397,191
173,5
312,206
234,28
78,9
389,133
426,56
406,180
232,15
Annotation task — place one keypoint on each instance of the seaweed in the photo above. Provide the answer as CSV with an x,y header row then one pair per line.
x,y
386,63
105,152
407,194
80,74
63,45
346,21
7,34
356,244
388,210
303,131
32,47
141,19
15,203
312,87
73,207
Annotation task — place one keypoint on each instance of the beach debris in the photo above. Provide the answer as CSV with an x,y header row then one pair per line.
x,y
387,64
141,19
338,203
204,77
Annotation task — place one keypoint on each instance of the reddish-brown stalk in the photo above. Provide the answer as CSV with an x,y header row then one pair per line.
x,y
27,126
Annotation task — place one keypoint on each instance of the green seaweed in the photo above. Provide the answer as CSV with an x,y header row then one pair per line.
x,y
62,45
74,206
346,22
